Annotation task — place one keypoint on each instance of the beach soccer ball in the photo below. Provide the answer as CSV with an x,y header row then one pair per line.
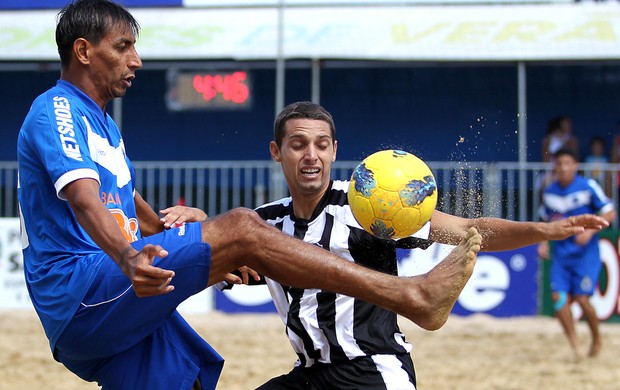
x,y
392,194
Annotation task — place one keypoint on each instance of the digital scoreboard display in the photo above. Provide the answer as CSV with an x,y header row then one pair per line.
x,y
208,90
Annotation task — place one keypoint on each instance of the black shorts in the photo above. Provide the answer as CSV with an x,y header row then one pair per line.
x,y
366,373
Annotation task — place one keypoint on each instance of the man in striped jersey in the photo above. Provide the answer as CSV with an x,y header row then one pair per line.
x,y
344,342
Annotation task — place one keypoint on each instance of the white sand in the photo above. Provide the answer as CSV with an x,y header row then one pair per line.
x,y
476,352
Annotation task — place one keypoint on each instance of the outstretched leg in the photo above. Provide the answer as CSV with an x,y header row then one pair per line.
x,y
240,237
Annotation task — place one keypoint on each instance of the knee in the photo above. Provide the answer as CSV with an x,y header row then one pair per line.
x,y
245,223
244,216
560,299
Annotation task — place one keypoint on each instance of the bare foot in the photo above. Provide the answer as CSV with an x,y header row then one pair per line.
x,y
443,284
595,348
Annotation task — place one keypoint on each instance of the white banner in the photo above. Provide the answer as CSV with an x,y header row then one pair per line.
x,y
13,292
273,3
426,33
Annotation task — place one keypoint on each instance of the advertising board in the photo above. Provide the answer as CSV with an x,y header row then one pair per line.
x,y
13,292
503,284
606,298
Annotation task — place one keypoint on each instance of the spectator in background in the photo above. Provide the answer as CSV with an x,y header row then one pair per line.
x,y
559,135
615,149
598,158
576,261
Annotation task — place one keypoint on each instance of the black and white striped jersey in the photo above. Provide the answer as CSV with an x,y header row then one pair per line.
x,y
323,326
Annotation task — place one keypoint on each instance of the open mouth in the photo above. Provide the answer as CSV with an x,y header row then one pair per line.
x,y
128,80
310,171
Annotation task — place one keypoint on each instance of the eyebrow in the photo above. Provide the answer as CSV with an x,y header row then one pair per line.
x,y
303,135
125,40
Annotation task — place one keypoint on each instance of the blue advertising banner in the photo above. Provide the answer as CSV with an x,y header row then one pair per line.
x,y
504,284
58,4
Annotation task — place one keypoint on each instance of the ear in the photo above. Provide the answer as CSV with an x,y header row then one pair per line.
x,y
335,150
275,151
81,49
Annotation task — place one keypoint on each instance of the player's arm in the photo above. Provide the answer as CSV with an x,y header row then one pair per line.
x,y
177,215
609,216
502,234
98,222
585,237
149,220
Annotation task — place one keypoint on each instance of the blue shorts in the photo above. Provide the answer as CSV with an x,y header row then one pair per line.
x,y
575,277
125,342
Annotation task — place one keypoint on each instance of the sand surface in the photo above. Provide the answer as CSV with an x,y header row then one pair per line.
x,y
476,352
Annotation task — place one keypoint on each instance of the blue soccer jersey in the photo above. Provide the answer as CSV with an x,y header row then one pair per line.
x,y
582,196
66,137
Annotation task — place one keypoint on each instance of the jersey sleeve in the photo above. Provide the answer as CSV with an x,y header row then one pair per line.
x,y
60,139
600,202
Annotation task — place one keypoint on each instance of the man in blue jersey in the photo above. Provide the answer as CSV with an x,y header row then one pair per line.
x,y
576,262
105,273
342,342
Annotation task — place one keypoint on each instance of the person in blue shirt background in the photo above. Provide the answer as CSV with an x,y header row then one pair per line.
x,y
576,260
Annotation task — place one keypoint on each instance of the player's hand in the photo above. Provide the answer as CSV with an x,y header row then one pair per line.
x,y
245,272
176,216
571,226
543,250
582,239
146,279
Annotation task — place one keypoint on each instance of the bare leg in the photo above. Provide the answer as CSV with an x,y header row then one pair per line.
x,y
239,238
565,317
445,281
593,324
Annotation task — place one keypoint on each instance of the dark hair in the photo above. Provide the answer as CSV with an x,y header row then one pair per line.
x,y
566,152
556,123
301,110
597,139
91,20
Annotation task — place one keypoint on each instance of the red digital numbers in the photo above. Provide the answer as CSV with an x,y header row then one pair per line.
x,y
231,87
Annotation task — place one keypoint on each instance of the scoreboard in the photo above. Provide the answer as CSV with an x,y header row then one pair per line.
x,y
208,90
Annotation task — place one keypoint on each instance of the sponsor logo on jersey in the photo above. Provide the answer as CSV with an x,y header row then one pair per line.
x,y
109,198
64,123
129,226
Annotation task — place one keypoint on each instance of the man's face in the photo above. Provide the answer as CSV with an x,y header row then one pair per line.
x,y
306,155
113,63
565,169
